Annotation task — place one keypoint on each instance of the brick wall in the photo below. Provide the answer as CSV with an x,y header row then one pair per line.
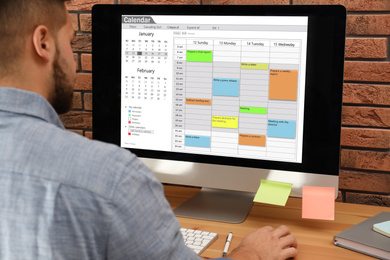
x,y
365,133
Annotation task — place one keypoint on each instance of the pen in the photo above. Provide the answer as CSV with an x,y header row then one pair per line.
x,y
227,244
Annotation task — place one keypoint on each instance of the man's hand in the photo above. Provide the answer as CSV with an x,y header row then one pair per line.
x,y
266,243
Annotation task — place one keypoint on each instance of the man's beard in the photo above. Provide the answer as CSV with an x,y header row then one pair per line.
x,y
62,96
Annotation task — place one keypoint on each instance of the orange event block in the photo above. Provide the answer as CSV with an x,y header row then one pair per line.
x,y
254,140
198,101
283,84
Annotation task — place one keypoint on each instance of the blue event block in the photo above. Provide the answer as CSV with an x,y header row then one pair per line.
x,y
226,87
281,128
197,141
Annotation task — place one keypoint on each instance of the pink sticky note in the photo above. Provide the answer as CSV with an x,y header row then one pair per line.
x,y
318,202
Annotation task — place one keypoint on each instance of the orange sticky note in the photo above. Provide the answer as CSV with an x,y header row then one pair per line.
x,y
318,202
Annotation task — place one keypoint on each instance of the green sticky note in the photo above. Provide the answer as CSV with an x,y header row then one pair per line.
x,y
272,192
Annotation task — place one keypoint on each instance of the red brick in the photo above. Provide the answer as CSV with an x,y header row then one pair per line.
x,y
246,2
339,197
351,5
86,62
77,119
162,2
82,43
373,24
367,71
77,100
86,22
75,21
366,116
368,160
88,134
364,181
83,81
370,138
368,199
85,5
88,101
366,94
368,48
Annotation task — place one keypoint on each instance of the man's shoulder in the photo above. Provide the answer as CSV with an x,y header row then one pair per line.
x,y
87,164
92,150
102,163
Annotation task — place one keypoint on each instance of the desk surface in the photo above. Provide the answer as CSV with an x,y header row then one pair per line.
x,y
315,237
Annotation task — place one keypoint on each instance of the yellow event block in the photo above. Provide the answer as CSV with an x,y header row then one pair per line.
x,y
225,121
254,66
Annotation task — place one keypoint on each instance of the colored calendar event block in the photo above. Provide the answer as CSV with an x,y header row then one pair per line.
x,y
281,128
197,141
250,139
224,121
226,87
253,110
199,56
198,101
254,66
283,84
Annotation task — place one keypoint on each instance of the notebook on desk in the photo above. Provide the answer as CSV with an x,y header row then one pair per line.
x,y
363,239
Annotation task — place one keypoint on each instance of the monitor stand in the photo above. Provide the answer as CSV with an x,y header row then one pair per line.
x,y
217,205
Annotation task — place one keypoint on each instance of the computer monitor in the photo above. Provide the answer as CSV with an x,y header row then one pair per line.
x,y
221,97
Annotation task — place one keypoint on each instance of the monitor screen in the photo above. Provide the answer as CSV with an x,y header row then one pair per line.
x,y
255,87
202,85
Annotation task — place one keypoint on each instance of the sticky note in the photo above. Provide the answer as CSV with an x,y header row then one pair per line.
x,y
318,202
272,192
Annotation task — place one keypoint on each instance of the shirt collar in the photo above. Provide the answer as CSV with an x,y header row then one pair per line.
x,y
28,103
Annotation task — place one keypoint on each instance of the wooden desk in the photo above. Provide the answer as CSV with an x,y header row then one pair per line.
x,y
315,237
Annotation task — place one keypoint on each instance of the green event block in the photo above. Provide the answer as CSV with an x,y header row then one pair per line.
x,y
253,110
199,56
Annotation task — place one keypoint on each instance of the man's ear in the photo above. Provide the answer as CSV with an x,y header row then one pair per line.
x,y
43,43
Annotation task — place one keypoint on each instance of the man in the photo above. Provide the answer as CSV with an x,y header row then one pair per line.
x,y
64,196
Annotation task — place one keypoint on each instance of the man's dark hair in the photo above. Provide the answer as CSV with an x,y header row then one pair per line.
x,y
18,19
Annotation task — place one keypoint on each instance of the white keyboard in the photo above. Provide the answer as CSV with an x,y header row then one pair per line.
x,y
198,240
